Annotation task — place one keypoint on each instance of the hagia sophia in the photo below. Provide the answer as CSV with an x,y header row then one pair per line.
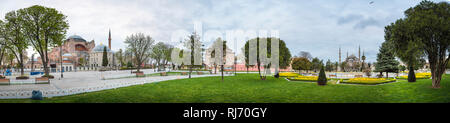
x,y
77,52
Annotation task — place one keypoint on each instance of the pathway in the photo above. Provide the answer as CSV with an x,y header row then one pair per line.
x,y
82,82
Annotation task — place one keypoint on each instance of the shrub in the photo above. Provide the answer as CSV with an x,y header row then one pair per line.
x,y
22,77
48,76
163,74
277,75
129,64
322,80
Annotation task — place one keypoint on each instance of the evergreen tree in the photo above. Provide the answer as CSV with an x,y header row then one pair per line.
x,y
322,77
105,58
386,60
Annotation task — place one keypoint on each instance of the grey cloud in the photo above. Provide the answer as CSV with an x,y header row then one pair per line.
x,y
349,19
367,22
359,21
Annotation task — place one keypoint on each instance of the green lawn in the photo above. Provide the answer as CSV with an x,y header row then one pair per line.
x,y
247,88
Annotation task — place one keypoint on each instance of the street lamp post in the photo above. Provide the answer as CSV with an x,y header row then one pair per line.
x,y
32,62
60,54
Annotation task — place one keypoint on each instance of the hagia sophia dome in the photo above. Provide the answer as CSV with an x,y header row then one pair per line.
x,y
76,38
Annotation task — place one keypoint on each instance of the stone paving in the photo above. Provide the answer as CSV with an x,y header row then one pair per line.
x,y
81,82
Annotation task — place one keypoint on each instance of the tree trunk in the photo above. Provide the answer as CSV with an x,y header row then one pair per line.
x,y
381,75
138,68
436,80
61,67
259,71
387,75
222,71
436,74
246,68
411,74
2,52
190,70
21,64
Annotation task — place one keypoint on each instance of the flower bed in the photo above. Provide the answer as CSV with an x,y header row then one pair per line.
x,y
418,76
368,81
289,74
306,78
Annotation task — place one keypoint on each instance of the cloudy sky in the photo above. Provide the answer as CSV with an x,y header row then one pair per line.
x,y
317,26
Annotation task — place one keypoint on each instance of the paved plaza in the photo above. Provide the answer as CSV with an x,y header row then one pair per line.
x,y
81,82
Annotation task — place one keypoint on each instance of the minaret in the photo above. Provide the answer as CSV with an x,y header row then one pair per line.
x,y
339,68
347,55
359,53
339,54
109,40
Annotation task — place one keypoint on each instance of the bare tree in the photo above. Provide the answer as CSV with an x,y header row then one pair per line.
x,y
304,54
141,47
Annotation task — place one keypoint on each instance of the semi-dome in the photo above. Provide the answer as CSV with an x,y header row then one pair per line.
x,y
100,48
77,37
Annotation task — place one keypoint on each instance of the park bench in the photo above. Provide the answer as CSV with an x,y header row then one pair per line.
x,y
42,80
199,73
36,73
4,81
183,73
358,76
140,73
331,76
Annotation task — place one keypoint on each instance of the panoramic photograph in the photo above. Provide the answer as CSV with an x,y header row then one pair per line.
x,y
232,51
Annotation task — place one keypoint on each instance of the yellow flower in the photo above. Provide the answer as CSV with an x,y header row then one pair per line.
x,y
289,74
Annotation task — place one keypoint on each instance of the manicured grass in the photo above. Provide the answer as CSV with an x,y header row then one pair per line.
x,y
247,88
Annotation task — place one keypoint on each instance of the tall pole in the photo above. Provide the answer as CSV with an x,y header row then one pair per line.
x,y
61,62
32,62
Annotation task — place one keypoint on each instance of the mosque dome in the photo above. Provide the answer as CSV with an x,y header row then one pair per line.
x,y
76,37
100,48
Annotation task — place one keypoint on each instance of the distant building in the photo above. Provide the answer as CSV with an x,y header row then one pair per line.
x,y
76,52
76,46
96,56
